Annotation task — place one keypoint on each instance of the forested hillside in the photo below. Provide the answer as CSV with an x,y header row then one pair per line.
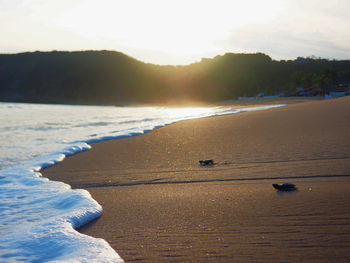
x,y
96,77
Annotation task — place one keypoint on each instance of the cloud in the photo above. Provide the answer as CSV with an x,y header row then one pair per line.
x,y
179,32
305,28
283,44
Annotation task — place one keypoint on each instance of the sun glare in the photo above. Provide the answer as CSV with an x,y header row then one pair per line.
x,y
188,112
178,27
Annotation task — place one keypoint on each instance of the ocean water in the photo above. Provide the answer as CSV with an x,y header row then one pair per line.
x,y
38,217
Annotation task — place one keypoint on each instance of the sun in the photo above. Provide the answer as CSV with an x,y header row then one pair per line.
x,y
179,27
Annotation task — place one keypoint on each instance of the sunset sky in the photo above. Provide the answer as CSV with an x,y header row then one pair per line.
x,y
181,31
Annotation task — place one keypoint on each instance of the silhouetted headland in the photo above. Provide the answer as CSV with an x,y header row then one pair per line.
x,y
109,77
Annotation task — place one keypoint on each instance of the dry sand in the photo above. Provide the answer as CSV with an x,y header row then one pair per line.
x,y
161,206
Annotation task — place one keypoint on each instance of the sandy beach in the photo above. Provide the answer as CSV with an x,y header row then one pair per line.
x,y
160,205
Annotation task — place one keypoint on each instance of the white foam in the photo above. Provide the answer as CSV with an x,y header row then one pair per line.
x,y
38,216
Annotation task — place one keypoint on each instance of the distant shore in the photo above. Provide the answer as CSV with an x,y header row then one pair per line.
x,y
233,102
190,103
270,101
110,77
160,205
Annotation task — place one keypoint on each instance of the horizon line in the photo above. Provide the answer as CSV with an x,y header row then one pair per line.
x,y
169,64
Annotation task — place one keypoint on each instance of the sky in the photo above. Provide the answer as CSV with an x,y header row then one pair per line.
x,y
179,31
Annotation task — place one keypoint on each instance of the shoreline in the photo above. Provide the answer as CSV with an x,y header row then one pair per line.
x,y
233,102
169,155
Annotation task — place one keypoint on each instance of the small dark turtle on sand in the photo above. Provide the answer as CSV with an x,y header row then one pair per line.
x,y
206,162
285,187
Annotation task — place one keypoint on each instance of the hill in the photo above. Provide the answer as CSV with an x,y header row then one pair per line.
x,y
109,77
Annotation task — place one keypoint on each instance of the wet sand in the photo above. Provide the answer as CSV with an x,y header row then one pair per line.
x,y
161,206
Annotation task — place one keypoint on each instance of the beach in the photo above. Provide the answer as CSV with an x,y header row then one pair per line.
x,y
160,205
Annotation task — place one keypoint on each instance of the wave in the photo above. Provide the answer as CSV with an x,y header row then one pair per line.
x,y
38,217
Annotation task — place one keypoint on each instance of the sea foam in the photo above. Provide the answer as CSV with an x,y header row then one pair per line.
x,y
38,217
